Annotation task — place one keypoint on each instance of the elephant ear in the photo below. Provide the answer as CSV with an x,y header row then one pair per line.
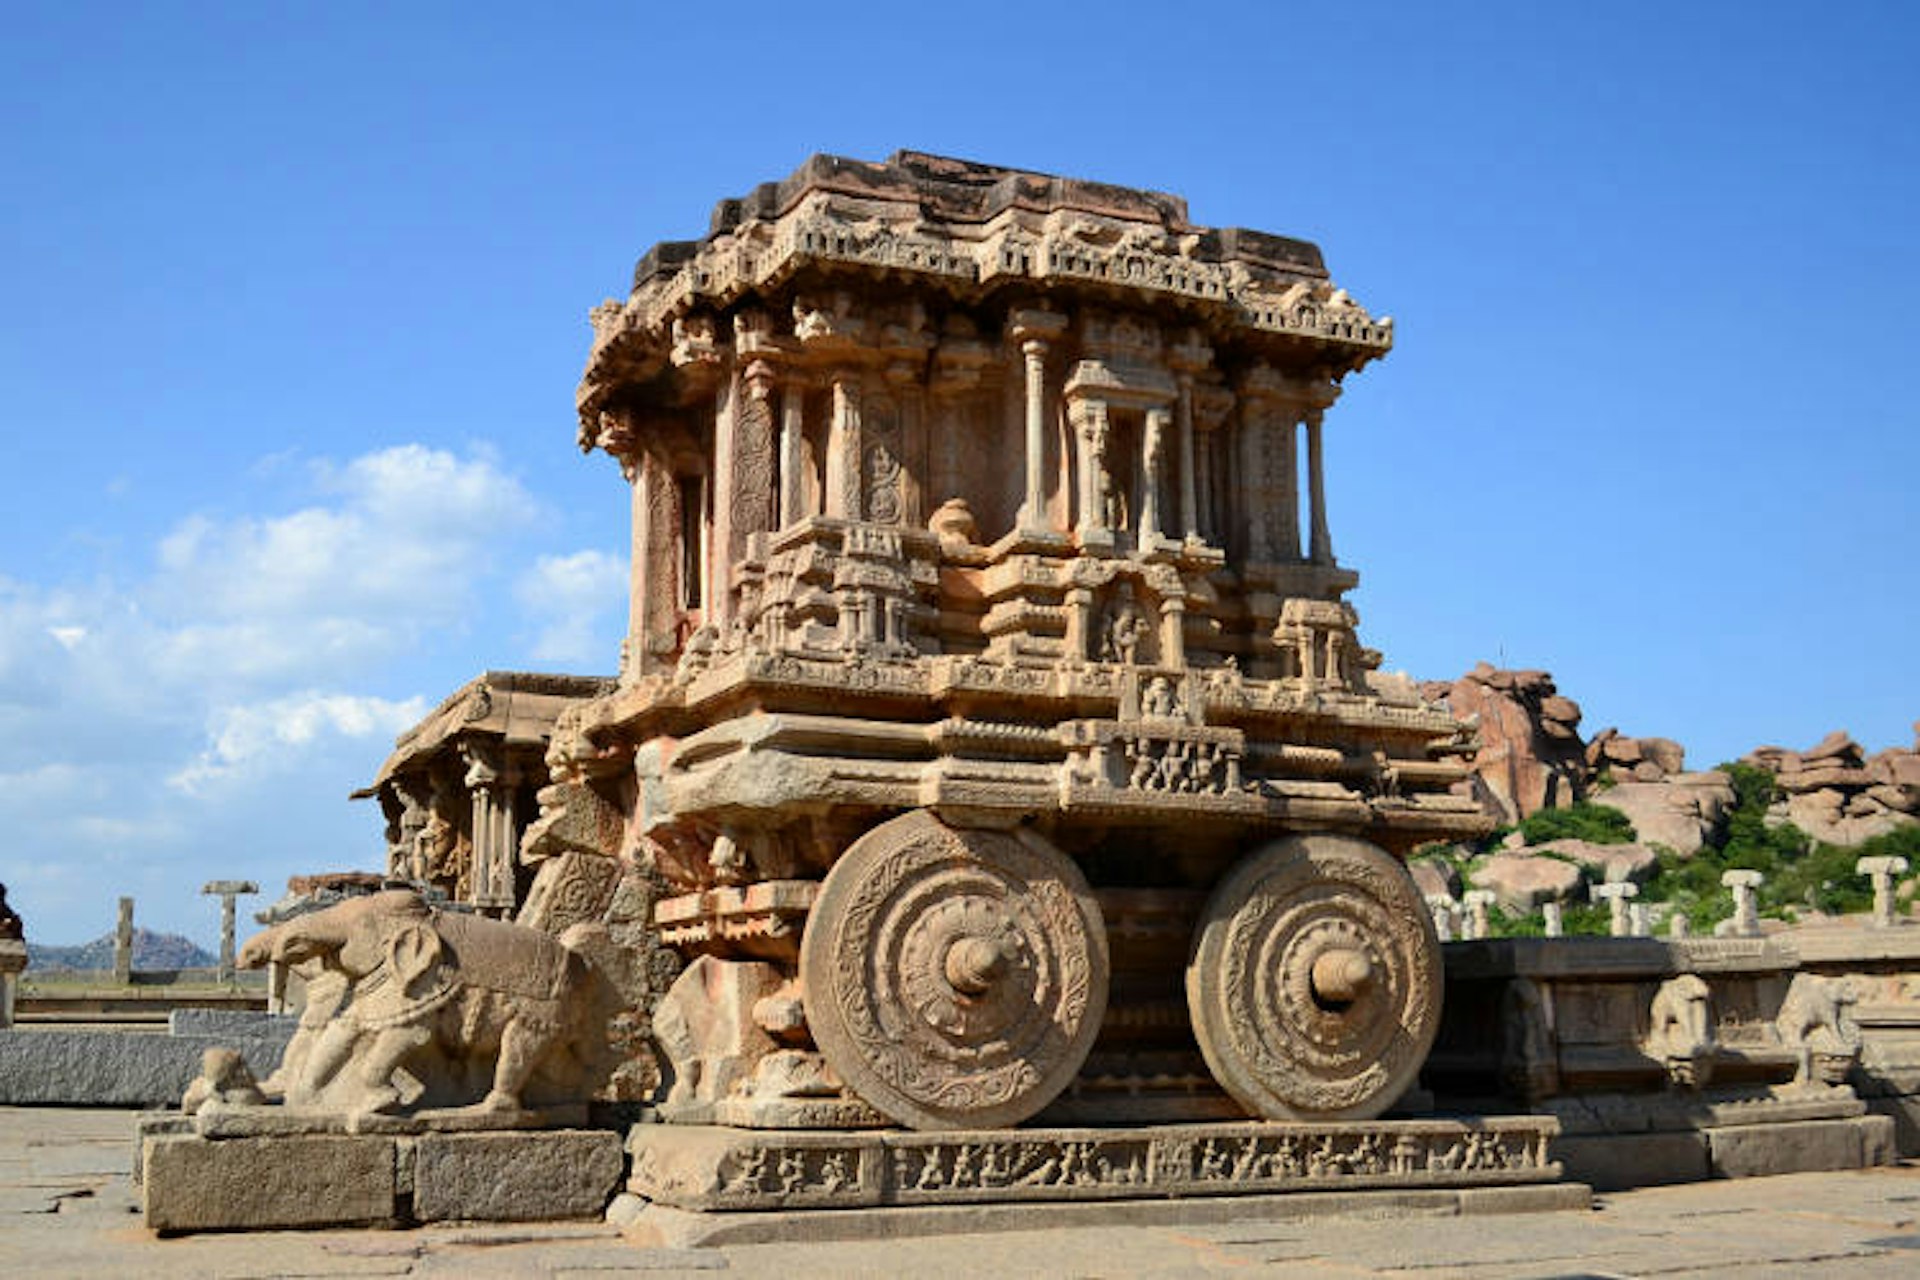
x,y
412,953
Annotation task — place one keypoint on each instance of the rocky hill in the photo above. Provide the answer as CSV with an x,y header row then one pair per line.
x,y
150,951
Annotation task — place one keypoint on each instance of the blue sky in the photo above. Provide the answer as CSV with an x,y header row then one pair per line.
x,y
295,301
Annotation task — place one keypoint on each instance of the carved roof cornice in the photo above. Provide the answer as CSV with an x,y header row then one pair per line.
x,y
971,230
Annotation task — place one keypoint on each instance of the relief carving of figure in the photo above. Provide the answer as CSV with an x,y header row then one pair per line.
x,y
1816,1020
1680,1030
1125,627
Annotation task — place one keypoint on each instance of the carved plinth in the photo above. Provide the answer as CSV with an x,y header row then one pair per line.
x,y
690,1167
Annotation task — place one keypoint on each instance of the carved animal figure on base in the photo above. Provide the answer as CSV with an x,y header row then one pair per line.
x,y
436,1009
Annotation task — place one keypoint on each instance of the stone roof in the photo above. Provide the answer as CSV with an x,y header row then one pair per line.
x,y
518,707
969,230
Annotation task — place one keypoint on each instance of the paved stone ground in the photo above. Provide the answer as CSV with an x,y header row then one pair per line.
x,y
68,1209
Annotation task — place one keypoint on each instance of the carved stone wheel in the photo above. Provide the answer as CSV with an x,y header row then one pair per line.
x,y
955,978
1314,980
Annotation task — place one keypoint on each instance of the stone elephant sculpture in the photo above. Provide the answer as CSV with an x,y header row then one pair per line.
x,y
419,1007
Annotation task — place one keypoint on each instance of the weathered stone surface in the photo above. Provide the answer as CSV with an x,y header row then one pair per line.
x,y
117,1068
697,1167
1530,756
1523,881
1835,793
1682,810
1804,1147
515,1177
1607,863
1435,877
254,1184
1616,1161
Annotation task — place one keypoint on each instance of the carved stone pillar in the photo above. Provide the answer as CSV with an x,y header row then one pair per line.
x,y
1321,548
1034,331
490,783
1153,476
1093,520
1189,482
843,449
1173,632
793,480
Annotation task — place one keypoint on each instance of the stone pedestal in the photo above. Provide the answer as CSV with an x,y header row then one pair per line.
x,y
193,1183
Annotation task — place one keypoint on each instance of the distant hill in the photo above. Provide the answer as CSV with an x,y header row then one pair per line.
x,y
150,951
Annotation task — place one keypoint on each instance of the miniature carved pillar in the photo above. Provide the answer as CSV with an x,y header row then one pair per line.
x,y
843,449
1079,632
1153,469
1091,431
228,890
490,783
1479,912
1035,331
793,481
123,944
1555,921
1443,908
1173,632
1189,482
1321,547
1746,903
743,476
1034,507
1267,496
1615,895
1882,871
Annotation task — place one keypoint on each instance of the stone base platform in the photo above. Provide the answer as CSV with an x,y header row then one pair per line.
x,y
706,1169
193,1183
657,1226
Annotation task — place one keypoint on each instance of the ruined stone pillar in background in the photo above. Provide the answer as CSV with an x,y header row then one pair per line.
x,y
1443,907
1746,904
1639,920
227,890
1321,548
1479,908
123,944
1882,871
1615,895
1554,918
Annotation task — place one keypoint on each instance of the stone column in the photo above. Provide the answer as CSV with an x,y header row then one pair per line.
x,y
123,944
1615,895
1035,332
1443,908
843,449
1091,432
490,782
1189,481
1321,547
1555,921
1882,871
228,890
1678,926
1746,903
1639,919
1173,632
742,476
1153,476
1479,912
793,480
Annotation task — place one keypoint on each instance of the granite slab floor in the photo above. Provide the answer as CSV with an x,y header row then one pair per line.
x,y
68,1209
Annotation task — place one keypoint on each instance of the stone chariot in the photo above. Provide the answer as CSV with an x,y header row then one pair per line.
x,y
991,722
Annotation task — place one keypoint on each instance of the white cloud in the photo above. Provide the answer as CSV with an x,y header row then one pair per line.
x,y
246,741
68,637
580,602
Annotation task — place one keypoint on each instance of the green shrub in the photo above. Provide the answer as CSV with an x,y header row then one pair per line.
x,y
1594,823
